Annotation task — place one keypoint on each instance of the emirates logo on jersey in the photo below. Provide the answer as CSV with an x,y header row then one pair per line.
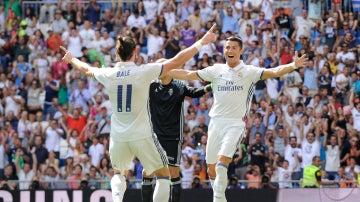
x,y
171,91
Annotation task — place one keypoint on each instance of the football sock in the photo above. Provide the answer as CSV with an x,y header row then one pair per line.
x,y
118,187
162,190
220,182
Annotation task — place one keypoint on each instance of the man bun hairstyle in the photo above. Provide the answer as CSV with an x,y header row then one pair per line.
x,y
125,47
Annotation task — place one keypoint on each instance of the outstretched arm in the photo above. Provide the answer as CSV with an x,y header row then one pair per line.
x,y
189,52
196,92
182,74
284,69
79,65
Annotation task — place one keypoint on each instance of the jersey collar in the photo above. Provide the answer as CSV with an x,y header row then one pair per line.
x,y
124,64
238,67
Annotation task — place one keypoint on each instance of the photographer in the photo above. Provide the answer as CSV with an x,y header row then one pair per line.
x,y
234,183
197,183
266,183
254,176
35,184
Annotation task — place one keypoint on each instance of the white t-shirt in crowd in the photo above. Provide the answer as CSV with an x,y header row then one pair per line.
x,y
309,150
52,142
332,158
96,152
289,156
284,175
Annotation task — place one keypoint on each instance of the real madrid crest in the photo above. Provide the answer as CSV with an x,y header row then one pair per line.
x,y
240,74
171,91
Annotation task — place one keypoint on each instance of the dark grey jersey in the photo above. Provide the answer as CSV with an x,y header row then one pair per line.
x,y
166,107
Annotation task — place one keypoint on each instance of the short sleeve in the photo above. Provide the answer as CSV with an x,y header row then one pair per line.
x,y
318,175
256,72
153,70
100,74
207,74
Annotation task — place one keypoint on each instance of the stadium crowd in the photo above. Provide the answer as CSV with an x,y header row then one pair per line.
x,y
55,122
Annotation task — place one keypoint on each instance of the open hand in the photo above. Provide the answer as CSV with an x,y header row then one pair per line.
x,y
300,61
68,56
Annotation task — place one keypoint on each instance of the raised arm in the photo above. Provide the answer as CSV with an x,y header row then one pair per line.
x,y
182,74
284,69
186,54
35,162
76,63
325,140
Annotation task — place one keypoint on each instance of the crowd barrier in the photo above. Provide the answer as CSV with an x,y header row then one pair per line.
x,y
189,195
131,195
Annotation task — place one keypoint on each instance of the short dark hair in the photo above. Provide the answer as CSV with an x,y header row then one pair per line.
x,y
237,39
125,47
315,157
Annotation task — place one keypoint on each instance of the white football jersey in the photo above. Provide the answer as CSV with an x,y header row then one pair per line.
x,y
233,89
128,88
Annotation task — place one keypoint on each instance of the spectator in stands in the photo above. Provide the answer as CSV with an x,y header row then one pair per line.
x,y
151,8
69,14
53,135
310,144
195,20
258,152
12,102
136,20
187,169
47,11
344,57
342,178
283,22
205,11
257,127
198,183
96,151
254,175
310,78
240,161
76,176
59,25
87,34
41,152
74,43
52,177
303,26
2,19
184,10
81,96
332,154
10,175
24,128
54,40
93,178
93,11
154,40
51,91
3,139
26,173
